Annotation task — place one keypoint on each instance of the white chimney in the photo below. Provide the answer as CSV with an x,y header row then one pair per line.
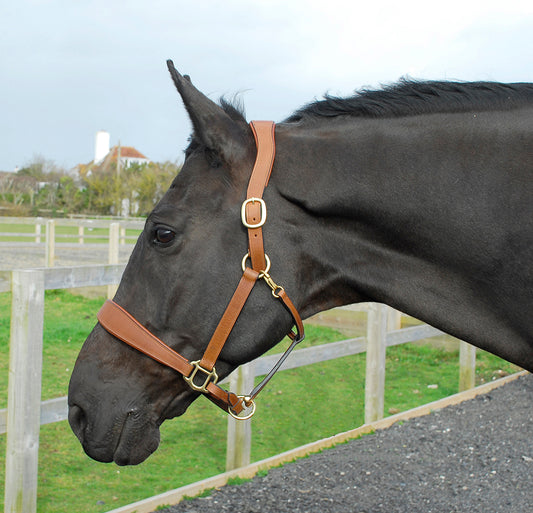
x,y
101,146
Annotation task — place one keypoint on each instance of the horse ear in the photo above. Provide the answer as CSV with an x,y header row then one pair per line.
x,y
212,125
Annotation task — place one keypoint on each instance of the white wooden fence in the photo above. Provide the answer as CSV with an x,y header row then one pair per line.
x,y
50,237
25,412
83,224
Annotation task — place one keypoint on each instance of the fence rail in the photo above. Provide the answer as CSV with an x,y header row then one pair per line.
x,y
116,232
116,237
137,223
25,412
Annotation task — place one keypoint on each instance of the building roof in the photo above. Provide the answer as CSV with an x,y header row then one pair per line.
x,y
128,155
126,152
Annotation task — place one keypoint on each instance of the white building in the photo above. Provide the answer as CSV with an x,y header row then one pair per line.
x,y
104,155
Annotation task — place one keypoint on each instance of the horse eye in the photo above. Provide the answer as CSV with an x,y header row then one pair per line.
x,y
163,236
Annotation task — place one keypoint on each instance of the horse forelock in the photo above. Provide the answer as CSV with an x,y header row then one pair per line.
x,y
411,97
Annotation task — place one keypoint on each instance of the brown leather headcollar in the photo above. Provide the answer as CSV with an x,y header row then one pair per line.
x,y
201,374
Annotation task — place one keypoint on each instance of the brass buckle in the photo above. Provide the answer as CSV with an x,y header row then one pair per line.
x,y
249,403
210,376
263,213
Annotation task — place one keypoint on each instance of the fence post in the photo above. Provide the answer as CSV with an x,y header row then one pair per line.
x,y
113,254
24,391
239,441
38,230
394,320
81,231
50,253
467,366
375,362
122,236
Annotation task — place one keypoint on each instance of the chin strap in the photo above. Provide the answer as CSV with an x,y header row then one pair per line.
x,y
201,374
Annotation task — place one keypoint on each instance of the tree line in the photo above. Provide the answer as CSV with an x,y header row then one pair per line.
x,y
42,188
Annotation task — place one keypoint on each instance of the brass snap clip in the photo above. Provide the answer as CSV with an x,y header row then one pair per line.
x,y
276,289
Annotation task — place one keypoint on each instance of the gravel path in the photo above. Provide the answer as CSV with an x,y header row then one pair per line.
x,y
473,457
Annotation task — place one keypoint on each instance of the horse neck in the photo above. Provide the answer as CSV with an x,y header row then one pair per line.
x,y
429,214
342,196
373,199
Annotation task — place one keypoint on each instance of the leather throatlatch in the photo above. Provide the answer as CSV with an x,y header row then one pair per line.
x,y
201,375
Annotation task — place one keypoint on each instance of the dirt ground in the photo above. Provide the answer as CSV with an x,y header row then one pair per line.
x,y
473,457
25,255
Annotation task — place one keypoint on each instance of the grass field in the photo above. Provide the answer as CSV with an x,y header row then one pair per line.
x,y
193,446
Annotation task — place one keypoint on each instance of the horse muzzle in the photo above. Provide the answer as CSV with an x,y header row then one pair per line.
x,y
113,412
127,437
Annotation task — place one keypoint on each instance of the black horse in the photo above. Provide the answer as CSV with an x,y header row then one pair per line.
x,y
418,195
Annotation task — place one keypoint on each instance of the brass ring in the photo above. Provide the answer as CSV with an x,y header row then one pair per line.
x,y
248,402
267,260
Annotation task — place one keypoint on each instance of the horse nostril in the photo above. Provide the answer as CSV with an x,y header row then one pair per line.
x,y
77,420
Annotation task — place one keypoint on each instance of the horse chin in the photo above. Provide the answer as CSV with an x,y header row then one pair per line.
x,y
135,443
137,440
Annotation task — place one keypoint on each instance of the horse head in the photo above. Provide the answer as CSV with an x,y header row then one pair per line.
x,y
180,276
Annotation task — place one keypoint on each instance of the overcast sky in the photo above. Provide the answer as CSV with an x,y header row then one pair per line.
x,y
71,68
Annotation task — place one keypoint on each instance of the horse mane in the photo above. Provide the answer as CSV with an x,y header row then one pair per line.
x,y
405,98
410,97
